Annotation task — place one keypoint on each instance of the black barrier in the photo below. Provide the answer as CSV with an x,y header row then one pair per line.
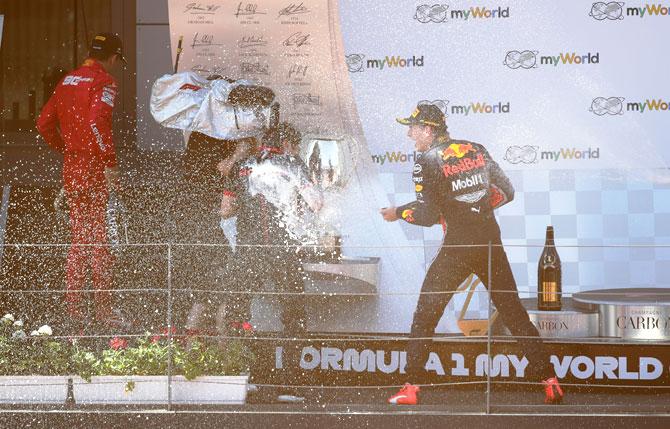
x,y
461,360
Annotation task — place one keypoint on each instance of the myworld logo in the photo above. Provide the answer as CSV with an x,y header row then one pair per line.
x,y
602,106
521,154
570,154
532,154
531,59
473,107
614,11
395,157
358,63
439,13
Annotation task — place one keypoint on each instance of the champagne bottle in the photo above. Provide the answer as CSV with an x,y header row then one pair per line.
x,y
549,275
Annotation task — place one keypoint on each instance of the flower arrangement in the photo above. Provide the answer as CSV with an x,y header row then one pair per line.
x,y
19,355
40,354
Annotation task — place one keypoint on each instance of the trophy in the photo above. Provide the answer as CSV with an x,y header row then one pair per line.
x,y
330,163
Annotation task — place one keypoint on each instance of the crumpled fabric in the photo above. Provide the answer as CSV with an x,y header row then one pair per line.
x,y
176,99
217,118
188,102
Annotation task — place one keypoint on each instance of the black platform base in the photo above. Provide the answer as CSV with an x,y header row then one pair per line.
x,y
368,409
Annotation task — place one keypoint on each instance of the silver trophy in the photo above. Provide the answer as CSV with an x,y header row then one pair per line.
x,y
331,161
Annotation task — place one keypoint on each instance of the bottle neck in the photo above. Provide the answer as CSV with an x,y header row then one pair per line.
x,y
549,241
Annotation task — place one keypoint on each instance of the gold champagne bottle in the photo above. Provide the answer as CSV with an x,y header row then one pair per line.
x,y
549,275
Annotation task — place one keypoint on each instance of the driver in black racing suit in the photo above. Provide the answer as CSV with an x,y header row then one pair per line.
x,y
459,185
268,192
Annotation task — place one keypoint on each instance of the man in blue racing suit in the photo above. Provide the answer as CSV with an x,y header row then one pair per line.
x,y
458,184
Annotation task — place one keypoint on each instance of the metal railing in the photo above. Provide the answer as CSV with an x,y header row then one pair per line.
x,y
489,405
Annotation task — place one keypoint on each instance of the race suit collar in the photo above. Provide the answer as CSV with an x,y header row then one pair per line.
x,y
93,63
440,140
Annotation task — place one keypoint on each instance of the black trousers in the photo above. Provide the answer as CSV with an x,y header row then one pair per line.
x,y
253,268
447,271
197,264
196,206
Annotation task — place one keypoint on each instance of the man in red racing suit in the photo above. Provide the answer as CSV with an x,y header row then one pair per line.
x,y
458,184
77,122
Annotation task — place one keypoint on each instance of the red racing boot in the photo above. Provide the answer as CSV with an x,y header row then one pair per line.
x,y
405,396
553,391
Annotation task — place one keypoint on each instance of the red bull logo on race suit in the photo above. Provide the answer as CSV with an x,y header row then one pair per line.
x,y
408,215
464,165
456,151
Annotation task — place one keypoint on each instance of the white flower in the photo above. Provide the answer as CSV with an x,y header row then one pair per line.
x,y
19,323
45,330
8,319
34,333
19,335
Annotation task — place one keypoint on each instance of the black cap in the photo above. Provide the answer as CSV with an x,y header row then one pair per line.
x,y
425,114
108,43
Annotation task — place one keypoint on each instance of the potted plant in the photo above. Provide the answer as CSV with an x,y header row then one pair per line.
x,y
203,372
36,368
33,368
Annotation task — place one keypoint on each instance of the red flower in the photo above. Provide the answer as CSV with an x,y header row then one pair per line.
x,y
164,333
193,332
117,343
247,327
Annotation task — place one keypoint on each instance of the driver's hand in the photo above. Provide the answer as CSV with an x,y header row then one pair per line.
x,y
389,214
